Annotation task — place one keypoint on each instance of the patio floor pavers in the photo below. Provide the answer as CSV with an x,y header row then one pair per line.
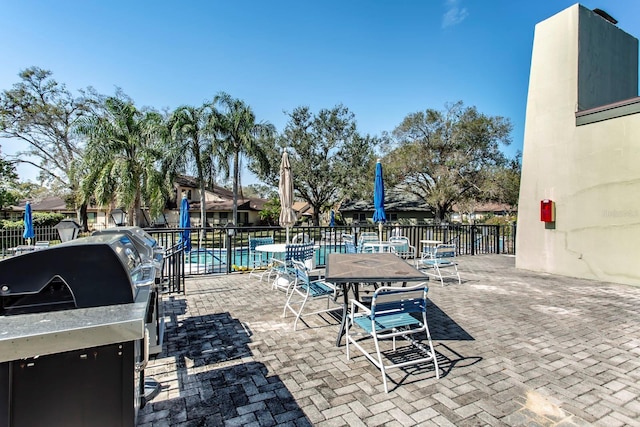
x,y
515,347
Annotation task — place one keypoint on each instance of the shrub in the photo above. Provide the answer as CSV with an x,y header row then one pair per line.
x,y
46,218
40,219
500,220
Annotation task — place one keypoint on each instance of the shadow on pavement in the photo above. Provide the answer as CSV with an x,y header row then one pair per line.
x,y
216,383
442,327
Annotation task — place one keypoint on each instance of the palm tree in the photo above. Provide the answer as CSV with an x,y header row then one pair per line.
x,y
240,135
122,153
193,145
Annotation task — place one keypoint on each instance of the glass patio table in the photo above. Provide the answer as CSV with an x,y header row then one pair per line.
x,y
351,270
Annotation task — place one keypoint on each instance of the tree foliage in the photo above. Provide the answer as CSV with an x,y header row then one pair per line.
x,y
270,212
123,153
261,190
241,135
8,183
506,183
328,157
42,112
193,147
443,156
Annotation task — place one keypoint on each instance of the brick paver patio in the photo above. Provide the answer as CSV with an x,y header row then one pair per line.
x,y
515,348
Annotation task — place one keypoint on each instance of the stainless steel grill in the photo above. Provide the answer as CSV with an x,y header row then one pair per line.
x,y
74,337
150,251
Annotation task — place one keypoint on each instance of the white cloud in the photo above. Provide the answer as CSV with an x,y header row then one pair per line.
x,y
454,14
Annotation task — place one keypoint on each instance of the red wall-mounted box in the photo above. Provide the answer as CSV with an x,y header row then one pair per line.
x,y
547,211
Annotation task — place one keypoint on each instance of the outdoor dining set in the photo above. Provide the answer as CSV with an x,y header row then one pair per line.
x,y
376,289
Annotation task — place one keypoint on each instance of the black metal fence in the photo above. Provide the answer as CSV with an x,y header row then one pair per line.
x,y
12,237
225,250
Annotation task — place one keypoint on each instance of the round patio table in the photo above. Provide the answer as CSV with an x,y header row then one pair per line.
x,y
281,248
428,246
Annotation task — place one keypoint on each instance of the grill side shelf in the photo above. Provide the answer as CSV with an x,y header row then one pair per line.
x,y
38,334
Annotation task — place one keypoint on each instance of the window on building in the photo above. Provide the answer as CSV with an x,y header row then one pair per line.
x,y
243,218
189,195
393,217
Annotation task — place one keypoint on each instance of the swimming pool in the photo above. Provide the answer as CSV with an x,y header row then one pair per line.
x,y
214,260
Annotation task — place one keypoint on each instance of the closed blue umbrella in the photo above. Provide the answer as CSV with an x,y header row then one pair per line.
x,y
332,219
378,199
28,224
185,222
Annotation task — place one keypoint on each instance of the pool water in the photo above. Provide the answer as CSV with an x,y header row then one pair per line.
x,y
214,260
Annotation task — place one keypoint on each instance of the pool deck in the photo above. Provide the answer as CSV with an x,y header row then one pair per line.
x,y
515,348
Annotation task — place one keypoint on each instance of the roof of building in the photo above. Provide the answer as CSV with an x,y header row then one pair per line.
x,y
487,207
46,204
400,201
227,205
192,182
395,201
302,208
225,202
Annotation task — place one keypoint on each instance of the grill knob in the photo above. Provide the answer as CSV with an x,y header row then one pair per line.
x,y
4,289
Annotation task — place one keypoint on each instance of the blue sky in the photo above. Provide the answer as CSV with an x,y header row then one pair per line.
x,y
381,59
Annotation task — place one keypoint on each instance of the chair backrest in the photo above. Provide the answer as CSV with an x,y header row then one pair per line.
x,y
389,301
445,251
257,241
374,248
302,275
401,243
301,238
350,247
298,252
368,236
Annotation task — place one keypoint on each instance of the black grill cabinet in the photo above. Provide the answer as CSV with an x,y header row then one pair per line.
x,y
73,345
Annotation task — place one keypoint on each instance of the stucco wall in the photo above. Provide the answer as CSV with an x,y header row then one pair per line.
x,y
590,171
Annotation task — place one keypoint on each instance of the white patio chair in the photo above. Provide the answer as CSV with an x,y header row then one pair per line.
x,y
258,261
440,263
349,247
304,290
394,312
283,268
367,237
377,247
403,247
301,238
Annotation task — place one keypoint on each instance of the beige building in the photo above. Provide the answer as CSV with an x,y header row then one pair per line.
x,y
218,205
582,150
218,201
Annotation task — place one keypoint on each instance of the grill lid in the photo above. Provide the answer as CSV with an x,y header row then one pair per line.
x,y
96,271
143,241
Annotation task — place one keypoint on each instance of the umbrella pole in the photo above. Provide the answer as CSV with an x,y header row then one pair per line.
x,y
380,231
287,238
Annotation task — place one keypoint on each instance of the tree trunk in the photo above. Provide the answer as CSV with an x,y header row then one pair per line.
x,y
440,214
83,217
137,214
236,172
316,215
203,208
